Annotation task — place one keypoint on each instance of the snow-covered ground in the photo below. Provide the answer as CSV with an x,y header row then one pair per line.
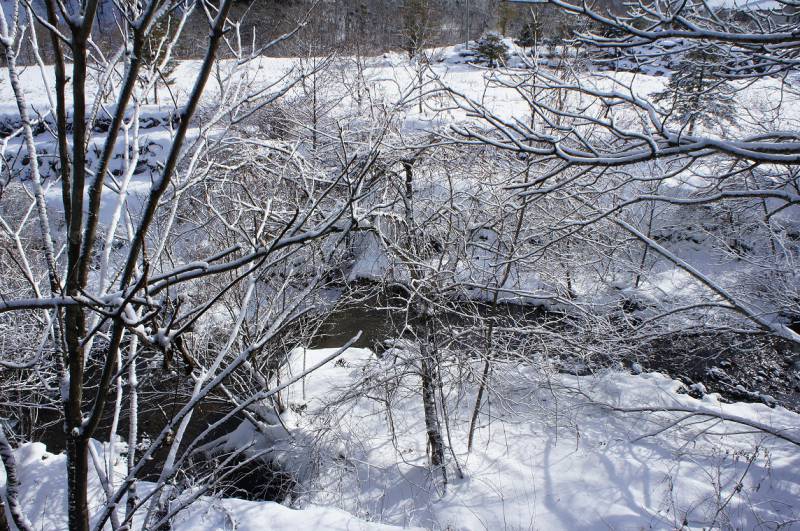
x,y
546,454
43,488
550,452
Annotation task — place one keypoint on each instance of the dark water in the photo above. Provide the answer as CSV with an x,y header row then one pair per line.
x,y
161,396
375,326
739,367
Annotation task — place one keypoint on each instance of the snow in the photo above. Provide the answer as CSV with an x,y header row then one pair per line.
x,y
748,5
256,516
43,497
548,457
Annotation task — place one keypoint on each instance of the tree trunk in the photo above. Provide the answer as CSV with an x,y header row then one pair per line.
x,y
427,353
478,399
11,494
77,484
75,322
428,375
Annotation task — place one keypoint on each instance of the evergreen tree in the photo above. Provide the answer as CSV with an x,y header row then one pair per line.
x,y
531,33
696,94
492,48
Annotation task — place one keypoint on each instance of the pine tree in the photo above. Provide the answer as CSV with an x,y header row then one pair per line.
x,y
696,94
531,33
492,48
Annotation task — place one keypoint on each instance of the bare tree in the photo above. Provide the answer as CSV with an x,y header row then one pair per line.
x,y
140,278
614,154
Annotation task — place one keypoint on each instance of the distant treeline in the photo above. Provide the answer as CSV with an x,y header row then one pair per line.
x,y
361,26
358,25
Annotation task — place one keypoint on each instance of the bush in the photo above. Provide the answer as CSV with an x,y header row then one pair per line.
x,y
531,34
492,49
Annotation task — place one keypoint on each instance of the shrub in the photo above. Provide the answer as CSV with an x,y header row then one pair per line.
x,y
491,48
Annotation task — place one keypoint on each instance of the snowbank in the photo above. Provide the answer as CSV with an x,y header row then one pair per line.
x,y
550,453
43,497
245,515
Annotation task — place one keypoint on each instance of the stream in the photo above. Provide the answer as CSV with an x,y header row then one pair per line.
x,y
768,376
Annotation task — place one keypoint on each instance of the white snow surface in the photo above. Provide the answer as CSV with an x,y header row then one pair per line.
x,y
546,456
748,5
43,495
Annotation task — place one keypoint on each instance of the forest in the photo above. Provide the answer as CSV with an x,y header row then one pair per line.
x,y
423,264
